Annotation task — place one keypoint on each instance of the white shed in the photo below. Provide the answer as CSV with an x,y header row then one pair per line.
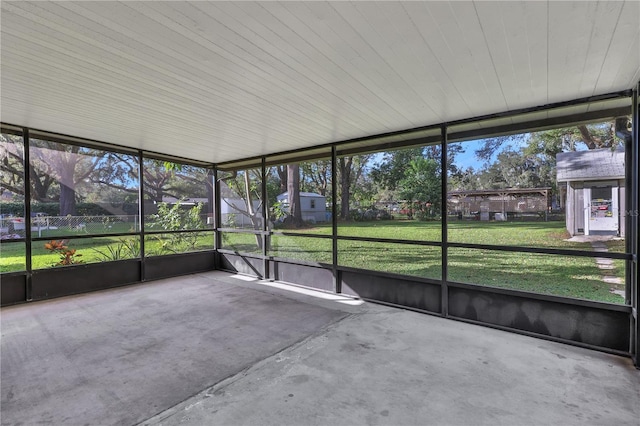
x,y
313,206
233,212
593,184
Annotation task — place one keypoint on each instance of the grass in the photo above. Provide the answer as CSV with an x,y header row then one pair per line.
x,y
12,257
524,234
421,261
568,276
577,277
94,228
301,248
98,249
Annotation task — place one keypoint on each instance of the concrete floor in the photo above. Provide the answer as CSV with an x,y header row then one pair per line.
x,y
215,349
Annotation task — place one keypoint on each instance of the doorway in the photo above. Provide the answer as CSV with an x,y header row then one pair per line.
x,y
601,209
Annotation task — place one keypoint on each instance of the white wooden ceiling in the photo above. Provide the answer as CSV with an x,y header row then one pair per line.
x,y
219,81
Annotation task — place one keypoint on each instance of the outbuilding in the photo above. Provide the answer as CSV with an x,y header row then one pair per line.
x,y
313,206
592,186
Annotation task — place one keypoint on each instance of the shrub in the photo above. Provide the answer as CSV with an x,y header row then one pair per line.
x,y
176,218
369,214
127,248
67,256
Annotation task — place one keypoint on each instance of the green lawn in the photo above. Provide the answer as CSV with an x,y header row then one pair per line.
x,y
12,257
526,234
574,276
99,249
421,261
569,276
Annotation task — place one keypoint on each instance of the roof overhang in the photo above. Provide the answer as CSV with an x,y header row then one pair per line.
x,y
221,81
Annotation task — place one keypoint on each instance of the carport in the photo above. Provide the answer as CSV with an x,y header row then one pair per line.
x,y
233,90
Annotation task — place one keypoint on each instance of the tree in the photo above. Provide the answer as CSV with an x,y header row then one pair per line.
x,y
517,169
415,175
350,171
282,173
41,177
70,173
70,166
421,183
293,196
554,141
244,185
161,178
528,160
391,170
12,164
310,176
316,176
344,167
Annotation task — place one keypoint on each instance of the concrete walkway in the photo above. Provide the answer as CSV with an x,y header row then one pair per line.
x,y
271,354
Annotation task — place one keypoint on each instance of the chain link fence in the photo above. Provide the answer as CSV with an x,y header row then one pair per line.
x,y
44,226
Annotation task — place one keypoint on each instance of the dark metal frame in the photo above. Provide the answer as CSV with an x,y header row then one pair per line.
x,y
414,285
56,282
16,286
337,281
444,222
27,212
141,212
265,207
446,286
632,215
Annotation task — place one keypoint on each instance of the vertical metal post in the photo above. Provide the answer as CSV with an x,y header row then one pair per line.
x,y
632,231
337,281
216,216
27,212
141,214
212,203
443,213
628,214
265,238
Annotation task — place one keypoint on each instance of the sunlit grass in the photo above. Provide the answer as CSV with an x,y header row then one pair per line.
x,y
421,261
572,276
524,234
98,249
301,248
12,257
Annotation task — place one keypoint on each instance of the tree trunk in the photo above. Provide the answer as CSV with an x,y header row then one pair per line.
x,y
345,185
282,175
253,214
67,200
588,138
65,163
293,195
40,184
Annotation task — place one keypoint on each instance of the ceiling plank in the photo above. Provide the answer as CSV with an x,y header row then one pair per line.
x,y
221,81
